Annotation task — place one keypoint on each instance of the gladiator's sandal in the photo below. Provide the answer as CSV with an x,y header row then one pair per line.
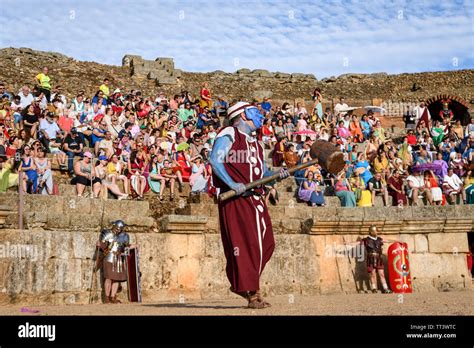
x,y
257,302
115,300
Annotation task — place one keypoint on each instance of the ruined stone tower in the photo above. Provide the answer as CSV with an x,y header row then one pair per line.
x,y
161,69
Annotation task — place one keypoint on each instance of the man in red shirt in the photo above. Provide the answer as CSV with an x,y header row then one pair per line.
x,y
411,138
65,122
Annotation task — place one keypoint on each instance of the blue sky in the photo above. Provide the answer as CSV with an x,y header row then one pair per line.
x,y
321,37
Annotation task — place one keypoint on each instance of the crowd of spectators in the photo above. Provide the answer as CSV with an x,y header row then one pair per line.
x,y
126,144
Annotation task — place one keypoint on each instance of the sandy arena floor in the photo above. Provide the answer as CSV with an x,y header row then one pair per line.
x,y
436,303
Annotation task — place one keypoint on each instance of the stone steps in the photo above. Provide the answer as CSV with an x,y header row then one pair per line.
x,y
64,212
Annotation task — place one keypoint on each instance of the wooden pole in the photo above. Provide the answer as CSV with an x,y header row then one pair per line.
x,y
229,194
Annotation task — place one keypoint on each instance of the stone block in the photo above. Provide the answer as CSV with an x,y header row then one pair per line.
x,y
298,212
195,246
298,76
57,220
290,225
84,244
423,213
176,245
212,225
448,242
282,75
262,73
438,265
183,223
77,204
406,238
188,273
421,243
43,203
243,71
86,221
350,213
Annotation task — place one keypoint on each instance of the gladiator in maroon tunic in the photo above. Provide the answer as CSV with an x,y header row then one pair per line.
x,y
245,225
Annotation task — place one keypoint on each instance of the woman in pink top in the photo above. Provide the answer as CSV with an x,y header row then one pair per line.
x,y
342,131
302,124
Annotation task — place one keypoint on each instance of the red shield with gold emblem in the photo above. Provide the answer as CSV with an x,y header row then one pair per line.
x,y
399,268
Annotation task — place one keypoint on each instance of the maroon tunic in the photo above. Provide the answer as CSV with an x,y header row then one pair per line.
x,y
246,229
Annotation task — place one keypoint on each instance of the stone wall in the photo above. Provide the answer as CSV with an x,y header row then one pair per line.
x,y
20,65
182,257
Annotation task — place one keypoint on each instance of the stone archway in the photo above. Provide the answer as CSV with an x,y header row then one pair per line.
x,y
459,106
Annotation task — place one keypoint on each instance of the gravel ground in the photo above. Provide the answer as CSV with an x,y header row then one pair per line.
x,y
434,303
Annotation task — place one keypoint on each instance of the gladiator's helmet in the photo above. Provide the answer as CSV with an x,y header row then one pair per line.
x,y
118,226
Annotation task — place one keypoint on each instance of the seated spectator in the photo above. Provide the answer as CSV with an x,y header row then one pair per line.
x,y
48,129
289,129
344,191
437,133
85,176
290,156
30,120
137,173
267,133
395,163
108,184
431,183
204,118
362,195
378,188
379,132
106,145
311,190
8,171
279,150
279,127
342,130
453,187
198,178
115,173
411,138
364,166
469,187
371,149
356,129
14,145
404,153
395,189
441,163
156,181
170,176
271,194
98,134
365,127
43,169
73,146
423,157
381,164
181,165
417,189
458,163
30,179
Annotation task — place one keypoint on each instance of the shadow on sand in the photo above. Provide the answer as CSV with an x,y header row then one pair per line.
x,y
192,305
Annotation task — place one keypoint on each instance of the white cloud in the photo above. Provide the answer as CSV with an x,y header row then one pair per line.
x,y
291,36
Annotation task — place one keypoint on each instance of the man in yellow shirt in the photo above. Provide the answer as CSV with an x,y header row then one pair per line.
x,y
44,83
105,88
